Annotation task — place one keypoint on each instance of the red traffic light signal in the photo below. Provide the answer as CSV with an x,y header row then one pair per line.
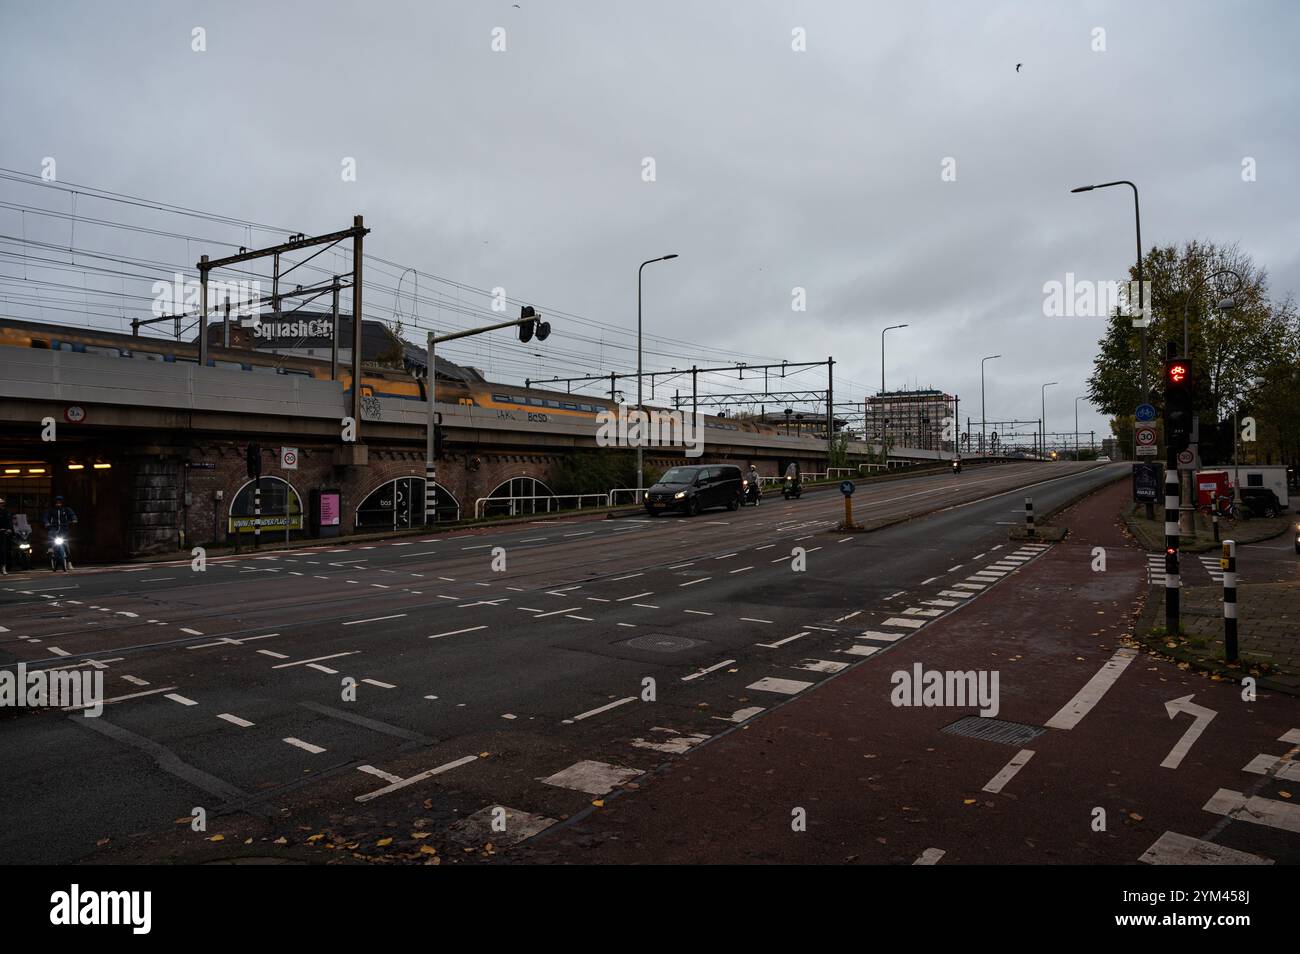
x,y
535,326
1177,372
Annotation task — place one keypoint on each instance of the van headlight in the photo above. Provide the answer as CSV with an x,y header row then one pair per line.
x,y
679,495
58,541
24,546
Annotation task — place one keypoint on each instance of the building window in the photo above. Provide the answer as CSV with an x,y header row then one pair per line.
x,y
399,504
275,493
514,496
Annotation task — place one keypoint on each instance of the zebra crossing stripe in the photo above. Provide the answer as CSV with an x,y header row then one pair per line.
x,y
1172,848
1256,810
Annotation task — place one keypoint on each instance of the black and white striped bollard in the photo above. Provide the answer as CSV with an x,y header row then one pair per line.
x,y
1229,564
1029,516
257,513
1172,582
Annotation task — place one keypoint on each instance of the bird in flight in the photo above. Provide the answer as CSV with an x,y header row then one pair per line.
x,y
1018,65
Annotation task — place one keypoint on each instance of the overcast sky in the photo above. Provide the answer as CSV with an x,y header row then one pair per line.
x,y
774,168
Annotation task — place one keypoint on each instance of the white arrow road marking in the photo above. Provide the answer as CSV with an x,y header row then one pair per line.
x,y
930,856
1201,717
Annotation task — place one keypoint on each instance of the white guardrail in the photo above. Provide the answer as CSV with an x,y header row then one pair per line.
x,y
515,507
613,494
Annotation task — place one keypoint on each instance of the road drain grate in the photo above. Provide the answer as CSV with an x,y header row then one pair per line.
x,y
994,730
661,643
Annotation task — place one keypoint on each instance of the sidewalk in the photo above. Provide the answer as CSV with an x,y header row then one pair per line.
x,y
1268,632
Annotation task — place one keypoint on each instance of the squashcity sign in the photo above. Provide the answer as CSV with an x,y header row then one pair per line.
x,y
281,332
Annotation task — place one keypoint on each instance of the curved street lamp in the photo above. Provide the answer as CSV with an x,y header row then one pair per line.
x,y
983,416
1042,421
1223,305
1137,219
661,258
882,355
1081,397
1185,505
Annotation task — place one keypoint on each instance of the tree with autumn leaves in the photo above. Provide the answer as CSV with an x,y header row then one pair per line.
x,y
1246,359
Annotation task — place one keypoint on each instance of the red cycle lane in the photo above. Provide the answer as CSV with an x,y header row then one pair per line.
x,y
1093,770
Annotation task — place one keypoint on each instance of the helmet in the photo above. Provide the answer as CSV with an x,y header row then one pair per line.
x,y
58,499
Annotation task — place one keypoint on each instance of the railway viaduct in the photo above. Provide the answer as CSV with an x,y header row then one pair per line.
x,y
152,456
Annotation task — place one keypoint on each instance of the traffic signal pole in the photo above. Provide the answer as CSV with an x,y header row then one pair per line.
x,y
1172,582
529,324
1178,427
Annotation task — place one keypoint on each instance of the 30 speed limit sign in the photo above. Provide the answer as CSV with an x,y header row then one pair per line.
x,y
289,458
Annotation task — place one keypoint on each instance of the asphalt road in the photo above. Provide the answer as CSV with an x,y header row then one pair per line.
x,y
600,650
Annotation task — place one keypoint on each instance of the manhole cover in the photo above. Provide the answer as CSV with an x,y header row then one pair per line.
x,y
994,730
661,643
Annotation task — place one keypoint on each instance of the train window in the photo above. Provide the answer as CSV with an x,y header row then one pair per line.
x,y
298,371
147,355
103,351
228,365
264,369
550,403
504,399
569,407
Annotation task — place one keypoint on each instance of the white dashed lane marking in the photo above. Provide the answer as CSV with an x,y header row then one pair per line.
x,y
305,746
787,687
1008,772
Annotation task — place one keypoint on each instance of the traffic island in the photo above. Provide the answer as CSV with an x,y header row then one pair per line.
x,y
1268,634
1150,534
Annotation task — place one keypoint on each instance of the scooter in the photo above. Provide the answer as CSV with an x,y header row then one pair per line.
x,y
793,487
59,552
750,492
956,466
22,550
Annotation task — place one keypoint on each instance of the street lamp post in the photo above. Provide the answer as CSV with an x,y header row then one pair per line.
x,y
1042,421
1137,220
983,415
882,356
1081,397
640,434
1185,506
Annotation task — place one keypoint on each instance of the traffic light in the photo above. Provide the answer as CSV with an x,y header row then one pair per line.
x,y
1216,443
1178,403
542,329
254,458
437,438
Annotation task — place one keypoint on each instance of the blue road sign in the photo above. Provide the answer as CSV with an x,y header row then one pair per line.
x,y
1145,412
846,488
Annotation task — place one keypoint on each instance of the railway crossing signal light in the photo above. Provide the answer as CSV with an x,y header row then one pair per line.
x,y
542,329
1178,403
254,459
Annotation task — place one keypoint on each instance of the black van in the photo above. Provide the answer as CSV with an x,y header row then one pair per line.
x,y
692,489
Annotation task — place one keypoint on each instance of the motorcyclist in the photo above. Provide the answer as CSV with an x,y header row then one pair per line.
x,y
792,484
60,519
6,535
755,487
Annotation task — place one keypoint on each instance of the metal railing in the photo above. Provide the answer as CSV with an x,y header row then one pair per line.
x,y
613,494
552,503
